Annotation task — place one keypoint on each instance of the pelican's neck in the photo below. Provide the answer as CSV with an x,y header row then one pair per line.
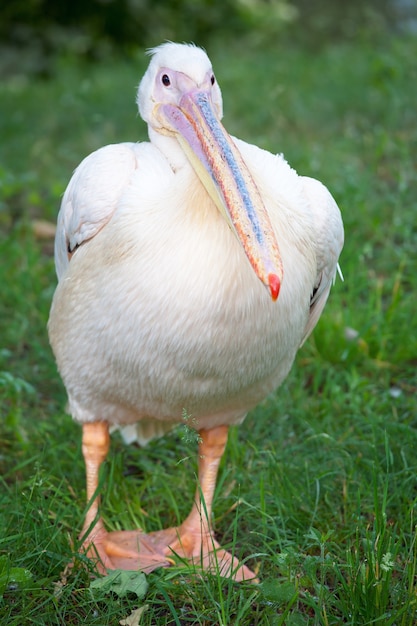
x,y
169,147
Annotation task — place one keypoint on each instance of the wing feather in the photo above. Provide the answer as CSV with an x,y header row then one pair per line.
x,y
92,197
328,240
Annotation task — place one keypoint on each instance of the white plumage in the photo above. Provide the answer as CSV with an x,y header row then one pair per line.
x,y
158,309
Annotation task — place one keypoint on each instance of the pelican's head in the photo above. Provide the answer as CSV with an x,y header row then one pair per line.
x,y
175,69
179,96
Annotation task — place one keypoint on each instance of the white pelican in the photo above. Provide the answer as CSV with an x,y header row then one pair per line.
x,y
191,269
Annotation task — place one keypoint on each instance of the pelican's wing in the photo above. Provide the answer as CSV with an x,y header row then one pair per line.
x,y
329,238
91,198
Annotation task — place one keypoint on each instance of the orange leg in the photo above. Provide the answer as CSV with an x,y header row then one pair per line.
x,y
193,539
95,446
97,542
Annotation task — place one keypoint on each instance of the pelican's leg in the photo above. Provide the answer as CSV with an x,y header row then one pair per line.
x,y
95,447
118,550
194,538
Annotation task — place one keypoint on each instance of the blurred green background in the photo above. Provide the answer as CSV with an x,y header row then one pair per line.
x,y
33,32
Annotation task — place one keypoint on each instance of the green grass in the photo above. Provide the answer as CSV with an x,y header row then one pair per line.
x,y
318,488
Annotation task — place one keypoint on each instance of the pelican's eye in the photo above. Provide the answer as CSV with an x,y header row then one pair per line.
x,y
165,80
212,79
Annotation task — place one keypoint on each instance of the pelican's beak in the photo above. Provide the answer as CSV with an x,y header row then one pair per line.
x,y
227,179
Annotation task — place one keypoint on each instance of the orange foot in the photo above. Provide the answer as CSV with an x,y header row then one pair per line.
x,y
135,550
201,549
124,549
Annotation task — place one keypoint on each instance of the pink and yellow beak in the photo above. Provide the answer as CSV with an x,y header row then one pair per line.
x,y
227,179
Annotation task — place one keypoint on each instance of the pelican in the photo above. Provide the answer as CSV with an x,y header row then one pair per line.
x,y
191,268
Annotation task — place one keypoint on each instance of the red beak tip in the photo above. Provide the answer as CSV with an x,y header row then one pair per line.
x,y
274,286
